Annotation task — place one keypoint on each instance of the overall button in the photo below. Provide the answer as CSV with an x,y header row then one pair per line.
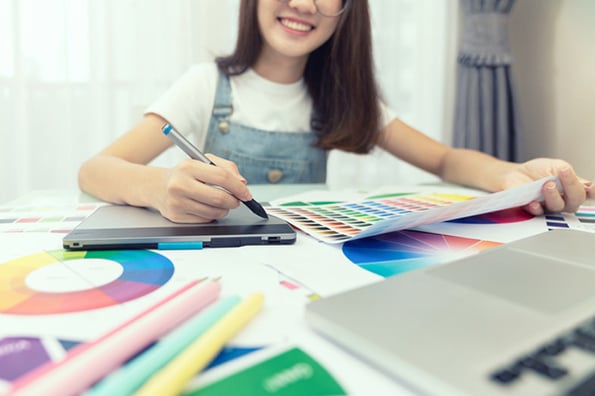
x,y
223,126
274,175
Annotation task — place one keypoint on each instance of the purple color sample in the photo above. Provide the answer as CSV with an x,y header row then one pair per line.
x,y
19,355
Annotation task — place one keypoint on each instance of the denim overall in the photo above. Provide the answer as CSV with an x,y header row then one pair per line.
x,y
262,156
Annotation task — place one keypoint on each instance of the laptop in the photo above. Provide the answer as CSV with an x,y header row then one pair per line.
x,y
518,319
129,227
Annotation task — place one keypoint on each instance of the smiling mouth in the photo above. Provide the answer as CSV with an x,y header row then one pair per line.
x,y
294,25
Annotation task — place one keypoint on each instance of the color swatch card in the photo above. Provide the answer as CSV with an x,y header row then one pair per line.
x,y
343,221
44,218
586,216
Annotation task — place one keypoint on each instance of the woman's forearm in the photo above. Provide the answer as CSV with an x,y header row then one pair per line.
x,y
475,169
115,180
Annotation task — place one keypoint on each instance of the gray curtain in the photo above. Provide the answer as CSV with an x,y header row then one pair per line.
x,y
485,115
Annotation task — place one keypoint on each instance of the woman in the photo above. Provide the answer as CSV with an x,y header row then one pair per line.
x,y
299,83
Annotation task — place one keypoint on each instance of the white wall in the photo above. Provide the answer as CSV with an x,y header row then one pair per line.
x,y
553,43
79,73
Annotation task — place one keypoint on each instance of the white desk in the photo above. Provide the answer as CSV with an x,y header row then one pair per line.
x,y
270,269
288,275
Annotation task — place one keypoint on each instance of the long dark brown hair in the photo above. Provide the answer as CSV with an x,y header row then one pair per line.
x,y
339,76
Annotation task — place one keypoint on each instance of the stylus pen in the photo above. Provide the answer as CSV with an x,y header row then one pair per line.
x,y
194,153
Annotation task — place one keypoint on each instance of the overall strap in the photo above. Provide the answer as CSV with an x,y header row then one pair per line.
x,y
223,107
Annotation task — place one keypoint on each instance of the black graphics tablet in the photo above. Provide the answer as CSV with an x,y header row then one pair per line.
x,y
129,227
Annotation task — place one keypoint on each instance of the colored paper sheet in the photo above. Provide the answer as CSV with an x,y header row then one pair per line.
x,y
291,373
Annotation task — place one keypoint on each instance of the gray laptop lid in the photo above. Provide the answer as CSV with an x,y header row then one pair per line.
x,y
128,227
476,326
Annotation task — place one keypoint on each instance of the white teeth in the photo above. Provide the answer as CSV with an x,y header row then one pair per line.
x,y
296,25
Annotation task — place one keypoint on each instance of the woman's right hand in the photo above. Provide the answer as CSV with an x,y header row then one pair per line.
x,y
196,192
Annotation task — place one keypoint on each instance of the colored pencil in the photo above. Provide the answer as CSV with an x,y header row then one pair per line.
x,y
173,377
89,362
133,375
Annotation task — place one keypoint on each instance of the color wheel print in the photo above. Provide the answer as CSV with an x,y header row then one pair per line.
x,y
398,252
127,274
512,215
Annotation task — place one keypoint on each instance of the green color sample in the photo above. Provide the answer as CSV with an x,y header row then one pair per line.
x,y
291,373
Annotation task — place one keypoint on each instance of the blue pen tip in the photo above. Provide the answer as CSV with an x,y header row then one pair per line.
x,y
166,129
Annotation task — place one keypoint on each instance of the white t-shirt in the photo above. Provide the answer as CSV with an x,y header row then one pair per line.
x,y
257,103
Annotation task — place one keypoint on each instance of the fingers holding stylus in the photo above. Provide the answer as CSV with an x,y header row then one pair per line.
x,y
227,178
197,192
230,166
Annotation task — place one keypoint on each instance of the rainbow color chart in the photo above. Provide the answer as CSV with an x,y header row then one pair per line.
x,y
138,272
336,222
401,251
344,221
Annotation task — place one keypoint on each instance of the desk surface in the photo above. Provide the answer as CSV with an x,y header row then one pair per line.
x,y
290,276
276,271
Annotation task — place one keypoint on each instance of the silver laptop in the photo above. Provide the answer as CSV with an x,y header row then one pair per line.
x,y
129,227
518,319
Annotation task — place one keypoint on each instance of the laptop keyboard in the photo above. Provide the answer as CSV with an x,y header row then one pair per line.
x,y
549,361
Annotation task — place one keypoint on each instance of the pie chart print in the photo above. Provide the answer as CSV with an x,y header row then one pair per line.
x,y
402,251
57,282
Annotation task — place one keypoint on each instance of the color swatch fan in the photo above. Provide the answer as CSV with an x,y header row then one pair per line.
x,y
341,222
